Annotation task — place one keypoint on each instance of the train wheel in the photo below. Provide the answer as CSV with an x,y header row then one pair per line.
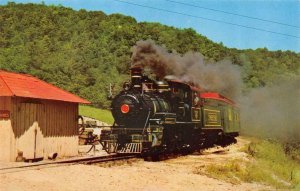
x,y
148,158
155,157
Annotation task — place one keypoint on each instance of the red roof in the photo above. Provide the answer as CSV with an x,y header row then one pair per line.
x,y
22,85
216,96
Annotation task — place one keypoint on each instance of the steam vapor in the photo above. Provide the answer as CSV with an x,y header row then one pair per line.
x,y
273,112
222,77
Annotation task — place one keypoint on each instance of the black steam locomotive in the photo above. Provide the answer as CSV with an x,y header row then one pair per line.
x,y
158,117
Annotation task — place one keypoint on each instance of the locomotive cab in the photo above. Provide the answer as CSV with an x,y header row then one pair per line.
x,y
185,101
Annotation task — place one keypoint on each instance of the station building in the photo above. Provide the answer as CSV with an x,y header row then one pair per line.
x,y
36,118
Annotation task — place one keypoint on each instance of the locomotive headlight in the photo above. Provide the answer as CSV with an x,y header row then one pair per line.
x,y
125,108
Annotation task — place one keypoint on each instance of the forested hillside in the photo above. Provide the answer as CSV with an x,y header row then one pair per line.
x,y
83,51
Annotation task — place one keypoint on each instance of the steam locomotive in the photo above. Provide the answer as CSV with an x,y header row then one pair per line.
x,y
155,117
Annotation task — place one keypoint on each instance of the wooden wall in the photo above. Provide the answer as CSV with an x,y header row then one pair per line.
x,y
5,103
6,134
55,118
40,127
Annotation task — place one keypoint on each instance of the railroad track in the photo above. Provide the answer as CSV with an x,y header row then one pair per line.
x,y
108,159
51,164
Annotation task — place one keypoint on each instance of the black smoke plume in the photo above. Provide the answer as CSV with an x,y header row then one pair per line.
x,y
222,77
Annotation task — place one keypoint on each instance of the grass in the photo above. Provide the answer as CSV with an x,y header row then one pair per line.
x,y
269,163
99,114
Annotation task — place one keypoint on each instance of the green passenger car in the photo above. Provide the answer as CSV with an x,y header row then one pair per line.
x,y
220,113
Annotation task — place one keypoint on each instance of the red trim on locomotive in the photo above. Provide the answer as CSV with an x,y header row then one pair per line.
x,y
206,95
216,96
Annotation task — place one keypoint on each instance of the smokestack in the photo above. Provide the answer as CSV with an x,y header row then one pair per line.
x,y
136,78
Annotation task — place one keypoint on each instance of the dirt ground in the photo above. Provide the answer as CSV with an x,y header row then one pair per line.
x,y
170,175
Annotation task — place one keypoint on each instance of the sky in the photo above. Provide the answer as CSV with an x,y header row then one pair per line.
x,y
276,25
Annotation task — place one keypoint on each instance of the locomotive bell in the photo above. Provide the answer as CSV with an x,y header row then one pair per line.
x,y
126,86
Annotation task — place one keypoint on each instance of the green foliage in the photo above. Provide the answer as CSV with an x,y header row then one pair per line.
x,y
99,114
268,163
84,51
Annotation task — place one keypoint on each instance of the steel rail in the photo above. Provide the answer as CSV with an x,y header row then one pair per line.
x,y
86,161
